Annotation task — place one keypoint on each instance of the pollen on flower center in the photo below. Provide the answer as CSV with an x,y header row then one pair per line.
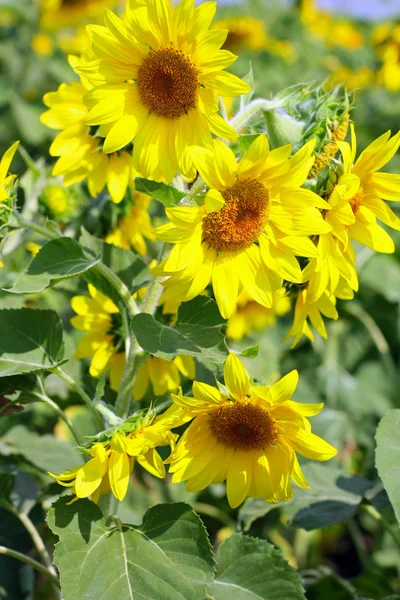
x,y
356,201
243,426
168,83
242,218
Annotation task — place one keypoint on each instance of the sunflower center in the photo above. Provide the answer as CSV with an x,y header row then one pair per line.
x,y
243,426
356,201
242,218
71,2
168,83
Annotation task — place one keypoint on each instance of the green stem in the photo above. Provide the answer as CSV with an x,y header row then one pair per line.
x,y
132,364
359,544
240,120
371,510
214,513
61,414
31,562
101,268
77,388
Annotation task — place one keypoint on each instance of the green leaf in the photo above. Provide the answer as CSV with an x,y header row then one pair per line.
x,y
57,260
387,458
30,340
251,352
44,451
7,481
252,569
334,497
197,332
130,268
164,193
245,141
379,268
167,558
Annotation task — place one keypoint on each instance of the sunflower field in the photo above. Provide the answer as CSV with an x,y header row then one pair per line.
x,y
199,300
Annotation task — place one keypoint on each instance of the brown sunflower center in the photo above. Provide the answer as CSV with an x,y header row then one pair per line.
x,y
243,426
356,201
168,83
242,218
71,2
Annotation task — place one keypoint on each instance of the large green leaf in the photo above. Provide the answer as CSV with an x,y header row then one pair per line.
x,y
30,340
252,569
130,268
382,268
334,497
44,451
388,456
168,557
164,193
197,332
57,260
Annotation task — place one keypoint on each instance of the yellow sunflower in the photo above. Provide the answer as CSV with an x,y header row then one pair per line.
x,y
334,32
157,80
79,151
252,33
103,342
112,461
255,220
247,436
133,229
59,14
386,37
358,199
250,315
7,180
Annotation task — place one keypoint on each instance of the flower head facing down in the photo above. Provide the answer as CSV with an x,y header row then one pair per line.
x,y
133,229
255,220
112,461
157,76
248,437
99,318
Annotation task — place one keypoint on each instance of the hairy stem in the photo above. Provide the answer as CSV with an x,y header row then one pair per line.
x,y
33,563
61,414
77,388
241,119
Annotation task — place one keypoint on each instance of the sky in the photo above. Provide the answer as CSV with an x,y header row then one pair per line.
x,y
363,9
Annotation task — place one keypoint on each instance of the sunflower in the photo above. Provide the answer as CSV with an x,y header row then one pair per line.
x,y
247,436
386,37
112,461
103,341
59,14
250,315
334,32
357,200
252,33
135,227
7,180
79,150
255,219
157,80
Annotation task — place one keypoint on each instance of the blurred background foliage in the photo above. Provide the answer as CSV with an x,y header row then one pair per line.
x,y
355,371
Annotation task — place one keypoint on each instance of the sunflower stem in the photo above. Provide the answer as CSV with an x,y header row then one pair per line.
x,y
44,398
240,120
77,388
371,510
33,563
132,364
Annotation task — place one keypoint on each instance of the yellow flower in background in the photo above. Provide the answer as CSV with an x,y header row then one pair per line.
x,y
33,248
255,220
252,33
358,199
7,180
59,14
42,44
353,79
164,375
101,321
248,437
112,462
334,32
103,342
133,230
249,315
158,78
79,151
